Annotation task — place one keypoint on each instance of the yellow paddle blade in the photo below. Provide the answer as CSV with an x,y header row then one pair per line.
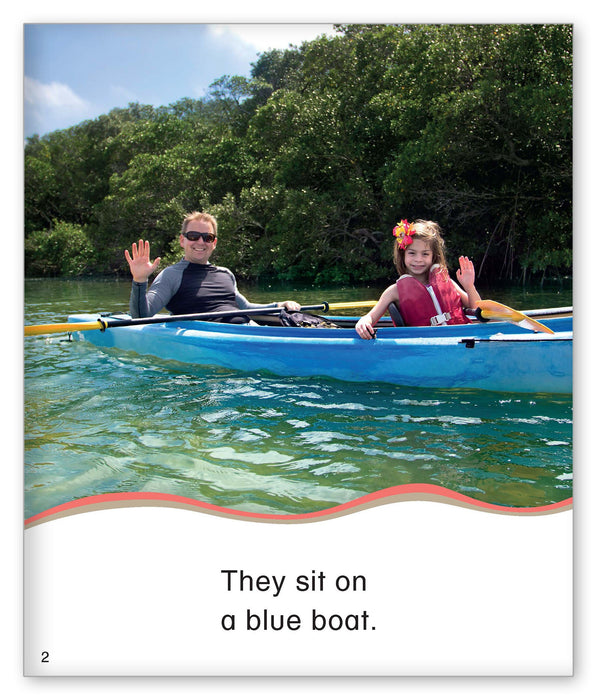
x,y
351,304
496,311
62,328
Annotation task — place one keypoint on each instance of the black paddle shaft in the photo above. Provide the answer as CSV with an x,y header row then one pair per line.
x,y
116,322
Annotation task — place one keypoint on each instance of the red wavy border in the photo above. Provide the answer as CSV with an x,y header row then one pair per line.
x,y
405,492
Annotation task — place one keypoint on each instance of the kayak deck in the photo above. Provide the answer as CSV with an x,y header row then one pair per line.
x,y
495,356
386,321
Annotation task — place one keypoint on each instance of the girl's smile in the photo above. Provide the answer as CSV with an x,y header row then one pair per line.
x,y
418,258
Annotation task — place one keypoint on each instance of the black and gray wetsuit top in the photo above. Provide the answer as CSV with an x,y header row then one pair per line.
x,y
190,288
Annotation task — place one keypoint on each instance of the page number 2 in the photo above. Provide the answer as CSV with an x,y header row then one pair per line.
x,y
45,657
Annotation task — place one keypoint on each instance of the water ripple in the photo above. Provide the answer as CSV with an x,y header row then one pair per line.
x,y
98,422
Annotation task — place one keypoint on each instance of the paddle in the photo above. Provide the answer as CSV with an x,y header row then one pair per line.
x,y
492,310
349,305
486,310
103,323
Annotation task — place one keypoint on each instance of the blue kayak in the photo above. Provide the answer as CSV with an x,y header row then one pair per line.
x,y
494,356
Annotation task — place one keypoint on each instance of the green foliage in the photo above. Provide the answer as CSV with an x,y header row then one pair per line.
x,y
308,164
64,250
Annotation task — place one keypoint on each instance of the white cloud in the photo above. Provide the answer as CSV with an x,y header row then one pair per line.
x,y
54,96
50,106
122,94
264,37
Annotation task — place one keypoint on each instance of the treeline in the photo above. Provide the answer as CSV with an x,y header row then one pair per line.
x,y
309,163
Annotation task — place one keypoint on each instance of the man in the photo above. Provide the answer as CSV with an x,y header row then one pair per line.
x,y
192,285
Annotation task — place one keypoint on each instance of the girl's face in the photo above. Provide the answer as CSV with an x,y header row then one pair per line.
x,y
418,258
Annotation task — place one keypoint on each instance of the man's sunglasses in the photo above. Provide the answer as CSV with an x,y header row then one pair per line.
x,y
196,235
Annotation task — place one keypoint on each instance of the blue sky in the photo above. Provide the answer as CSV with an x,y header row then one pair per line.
x,y
74,72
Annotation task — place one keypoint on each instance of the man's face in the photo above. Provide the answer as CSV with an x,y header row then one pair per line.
x,y
200,250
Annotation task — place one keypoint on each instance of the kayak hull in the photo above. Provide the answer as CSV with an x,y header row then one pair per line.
x,y
490,356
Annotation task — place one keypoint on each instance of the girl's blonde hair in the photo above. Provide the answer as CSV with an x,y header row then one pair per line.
x,y
200,216
431,233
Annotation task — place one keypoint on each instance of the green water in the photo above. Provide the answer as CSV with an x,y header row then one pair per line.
x,y
102,422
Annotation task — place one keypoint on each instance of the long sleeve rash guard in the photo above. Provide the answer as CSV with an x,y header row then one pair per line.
x,y
188,288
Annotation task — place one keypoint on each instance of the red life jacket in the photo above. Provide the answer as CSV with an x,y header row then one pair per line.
x,y
417,303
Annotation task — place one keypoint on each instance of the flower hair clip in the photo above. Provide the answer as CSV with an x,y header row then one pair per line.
x,y
404,233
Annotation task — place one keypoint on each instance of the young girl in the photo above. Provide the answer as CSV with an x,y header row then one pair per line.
x,y
424,292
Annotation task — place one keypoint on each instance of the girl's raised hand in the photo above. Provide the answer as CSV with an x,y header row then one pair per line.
x,y
140,263
466,273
